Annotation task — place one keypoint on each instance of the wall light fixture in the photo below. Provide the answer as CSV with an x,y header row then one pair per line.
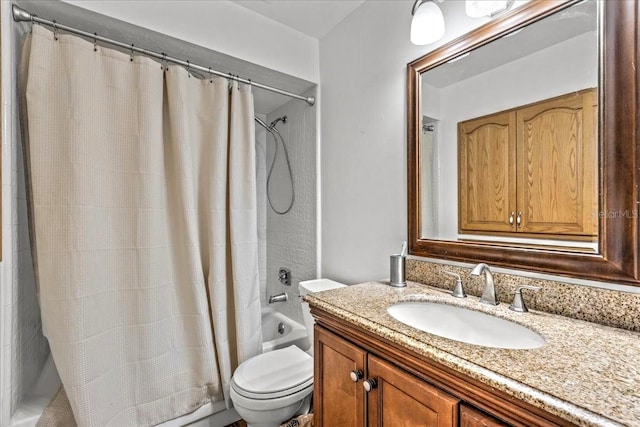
x,y
427,24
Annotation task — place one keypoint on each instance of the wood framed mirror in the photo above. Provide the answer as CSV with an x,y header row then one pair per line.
x,y
616,256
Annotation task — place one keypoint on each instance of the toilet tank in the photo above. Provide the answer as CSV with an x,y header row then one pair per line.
x,y
308,287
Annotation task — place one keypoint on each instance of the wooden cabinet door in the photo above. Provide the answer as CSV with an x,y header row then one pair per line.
x,y
338,401
486,171
471,417
557,165
402,400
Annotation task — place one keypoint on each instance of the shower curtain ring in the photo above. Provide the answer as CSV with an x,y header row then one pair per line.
x,y
188,69
131,54
33,21
55,30
95,42
163,63
210,75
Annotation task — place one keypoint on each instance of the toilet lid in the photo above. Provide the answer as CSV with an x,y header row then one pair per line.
x,y
278,372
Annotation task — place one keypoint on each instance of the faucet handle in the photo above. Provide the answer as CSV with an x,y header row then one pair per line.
x,y
518,302
458,290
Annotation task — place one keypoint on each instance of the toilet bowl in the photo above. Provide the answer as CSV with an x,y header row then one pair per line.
x,y
272,387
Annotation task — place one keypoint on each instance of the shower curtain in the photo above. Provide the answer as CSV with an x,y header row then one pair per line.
x,y
143,221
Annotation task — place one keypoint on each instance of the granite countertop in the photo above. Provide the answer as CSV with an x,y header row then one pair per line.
x,y
586,373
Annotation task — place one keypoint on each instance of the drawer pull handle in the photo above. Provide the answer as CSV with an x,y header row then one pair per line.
x,y
356,375
369,384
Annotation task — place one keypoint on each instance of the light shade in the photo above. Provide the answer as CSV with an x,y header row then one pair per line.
x,y
479,8
427,25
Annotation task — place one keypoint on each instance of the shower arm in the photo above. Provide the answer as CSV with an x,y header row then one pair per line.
x,y
271,127
21,15
262,123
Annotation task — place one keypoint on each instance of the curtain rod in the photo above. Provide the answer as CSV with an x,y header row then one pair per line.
x,y
21,15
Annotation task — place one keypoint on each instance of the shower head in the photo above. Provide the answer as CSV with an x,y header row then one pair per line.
x,y
271,127
273,124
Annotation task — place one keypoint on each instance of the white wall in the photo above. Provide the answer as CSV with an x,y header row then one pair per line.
x,y
363,87
222,26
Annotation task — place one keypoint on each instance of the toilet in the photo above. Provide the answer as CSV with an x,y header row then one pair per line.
x,y
272,387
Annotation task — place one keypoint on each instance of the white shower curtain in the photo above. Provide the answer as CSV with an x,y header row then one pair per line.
x,y
143,215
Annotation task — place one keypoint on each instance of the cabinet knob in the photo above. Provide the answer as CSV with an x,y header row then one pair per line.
x,y
356,375
519,219
511,218
369,384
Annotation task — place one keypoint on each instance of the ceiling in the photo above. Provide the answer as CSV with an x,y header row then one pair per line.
x,y
571,22
314,18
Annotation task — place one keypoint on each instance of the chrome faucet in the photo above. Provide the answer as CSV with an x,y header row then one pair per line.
x,y
489,295
279,298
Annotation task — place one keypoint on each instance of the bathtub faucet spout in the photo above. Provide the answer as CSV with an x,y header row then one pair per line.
x,y
279,298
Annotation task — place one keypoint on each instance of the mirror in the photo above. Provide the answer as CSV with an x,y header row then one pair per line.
x,y
472,81
473,107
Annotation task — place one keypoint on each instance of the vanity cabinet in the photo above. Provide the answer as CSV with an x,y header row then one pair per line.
x,y
355,388
364,380
531,171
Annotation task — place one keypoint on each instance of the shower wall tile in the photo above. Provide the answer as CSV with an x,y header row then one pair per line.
x,y
6,300
6,286
261,198
30,348
24,347
291,238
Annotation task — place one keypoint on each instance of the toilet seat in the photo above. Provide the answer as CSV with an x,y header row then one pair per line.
x,y
274,374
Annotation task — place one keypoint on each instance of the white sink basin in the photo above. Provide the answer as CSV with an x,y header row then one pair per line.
x,y
462,324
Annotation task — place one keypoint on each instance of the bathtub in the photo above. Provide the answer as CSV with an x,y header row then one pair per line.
x,y
278,331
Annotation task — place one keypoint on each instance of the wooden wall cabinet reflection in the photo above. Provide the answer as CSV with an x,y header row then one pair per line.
x,y
530,171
